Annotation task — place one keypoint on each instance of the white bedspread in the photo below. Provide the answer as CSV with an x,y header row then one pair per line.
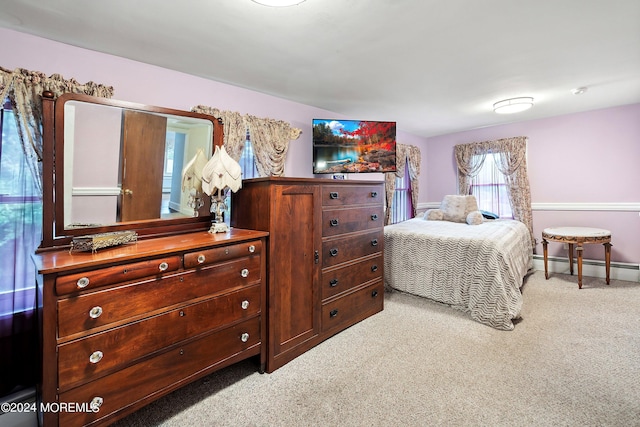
x,y
475,268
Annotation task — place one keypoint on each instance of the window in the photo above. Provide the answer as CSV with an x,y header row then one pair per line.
x,y
20,221
490,188
401,208
248,160
249,170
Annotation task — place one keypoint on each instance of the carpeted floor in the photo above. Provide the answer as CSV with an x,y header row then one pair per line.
x,y
573,360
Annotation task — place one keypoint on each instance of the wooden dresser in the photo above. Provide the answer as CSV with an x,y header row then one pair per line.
x,y
126,325
325,256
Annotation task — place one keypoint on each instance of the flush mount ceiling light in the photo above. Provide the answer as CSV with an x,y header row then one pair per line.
x,y
278,3
513,105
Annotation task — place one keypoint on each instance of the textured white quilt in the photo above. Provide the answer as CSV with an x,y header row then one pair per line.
x,y
475,268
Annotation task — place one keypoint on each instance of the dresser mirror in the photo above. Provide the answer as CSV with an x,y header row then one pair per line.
x,y
118,166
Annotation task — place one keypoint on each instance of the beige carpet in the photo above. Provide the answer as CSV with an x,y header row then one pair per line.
x,y
573,360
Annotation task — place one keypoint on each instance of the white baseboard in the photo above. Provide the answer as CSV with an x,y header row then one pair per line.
x,y
590,268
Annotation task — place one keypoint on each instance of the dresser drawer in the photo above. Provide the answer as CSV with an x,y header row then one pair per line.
x,y
81,360
156,375
344,195
343,279
210,256
351,247
352,308
84,312
121,273
339,221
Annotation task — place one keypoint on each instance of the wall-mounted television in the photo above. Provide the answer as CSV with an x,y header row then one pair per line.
x,y
353,146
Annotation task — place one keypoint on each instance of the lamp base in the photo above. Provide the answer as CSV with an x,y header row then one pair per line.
x,y
218,227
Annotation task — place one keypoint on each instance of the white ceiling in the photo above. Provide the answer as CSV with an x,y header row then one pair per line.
x,y
433,66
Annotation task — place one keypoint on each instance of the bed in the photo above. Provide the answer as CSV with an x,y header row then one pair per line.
x,y
475,268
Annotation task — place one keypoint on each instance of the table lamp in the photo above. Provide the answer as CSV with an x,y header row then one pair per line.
x,y
219,174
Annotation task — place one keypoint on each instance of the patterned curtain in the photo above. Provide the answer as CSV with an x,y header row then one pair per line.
x,y
235,129
21,222
269,138
512,163
24,89
406,156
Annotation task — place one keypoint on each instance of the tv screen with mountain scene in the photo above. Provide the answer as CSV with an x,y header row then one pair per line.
x,y
353,146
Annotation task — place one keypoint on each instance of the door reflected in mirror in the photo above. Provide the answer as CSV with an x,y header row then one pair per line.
x,y
123,165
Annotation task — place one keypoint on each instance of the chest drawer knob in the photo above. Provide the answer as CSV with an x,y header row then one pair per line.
x,y
95,312
252,248
201,258
374,217
333,195
333,222
374,194
374,268
96,356
244,337
96,403
374,294
333,283
163,266
245,304
333,252
374,242
83,282
244,272
333,313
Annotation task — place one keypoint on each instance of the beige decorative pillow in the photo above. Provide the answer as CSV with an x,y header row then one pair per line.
x,y
455,208
475,218
433,215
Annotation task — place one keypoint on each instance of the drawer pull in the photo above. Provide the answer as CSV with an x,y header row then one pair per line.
x,y
163,266
374,294
374,194
244,272
96,403
333,283
333,223
83,282
244,337
374,242
333,252
374,268
252,248
96,356
181,313
374,217
333,313
201,258
333,195
95,312
245,304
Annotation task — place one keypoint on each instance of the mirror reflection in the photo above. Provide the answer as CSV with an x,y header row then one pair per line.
x,y
124,165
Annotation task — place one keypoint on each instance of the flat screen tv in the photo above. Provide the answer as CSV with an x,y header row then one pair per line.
x,y
353,146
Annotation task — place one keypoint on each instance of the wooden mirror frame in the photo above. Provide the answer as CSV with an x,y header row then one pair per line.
x,y
54,234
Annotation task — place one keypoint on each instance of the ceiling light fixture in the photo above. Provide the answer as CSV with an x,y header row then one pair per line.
x,y
278,3
513,105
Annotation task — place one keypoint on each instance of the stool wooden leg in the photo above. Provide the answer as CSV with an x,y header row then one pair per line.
x,y
579,251
571,258
546,253
607,259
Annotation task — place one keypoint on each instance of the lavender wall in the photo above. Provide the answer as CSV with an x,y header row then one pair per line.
x,y
584,170
146,84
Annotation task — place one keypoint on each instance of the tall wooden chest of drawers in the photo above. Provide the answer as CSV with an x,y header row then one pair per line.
x,y
325,256
124,326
